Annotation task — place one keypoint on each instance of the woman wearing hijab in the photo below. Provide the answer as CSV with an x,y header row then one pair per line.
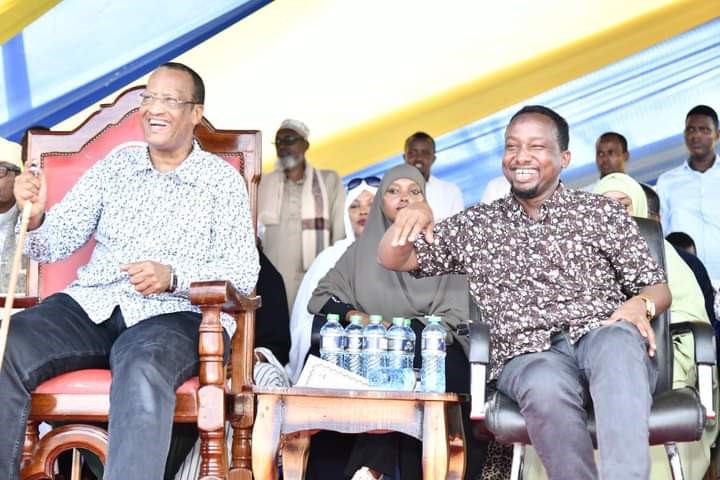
x,y
359,285
687,306
358,200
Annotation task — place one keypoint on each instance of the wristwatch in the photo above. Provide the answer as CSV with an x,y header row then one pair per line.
x,y
173,281
649,306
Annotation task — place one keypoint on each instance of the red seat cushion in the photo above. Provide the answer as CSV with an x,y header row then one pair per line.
x,y
94,382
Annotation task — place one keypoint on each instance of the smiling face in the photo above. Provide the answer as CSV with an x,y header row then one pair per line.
x,y
169,130
399,194
358,212
532,161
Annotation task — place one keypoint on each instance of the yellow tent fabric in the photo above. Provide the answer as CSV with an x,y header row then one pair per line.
x,y
17,14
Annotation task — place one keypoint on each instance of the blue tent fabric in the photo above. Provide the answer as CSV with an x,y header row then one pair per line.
x,y
79,52
644,97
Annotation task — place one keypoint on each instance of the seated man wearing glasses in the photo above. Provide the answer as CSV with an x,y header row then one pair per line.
x,y
10,163
300,208
445,198
162,215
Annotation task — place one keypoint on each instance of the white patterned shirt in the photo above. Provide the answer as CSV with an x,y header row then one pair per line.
x,y
194,218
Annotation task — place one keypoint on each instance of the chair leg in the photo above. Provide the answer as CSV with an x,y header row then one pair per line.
x,y
517,461
32,435
675,461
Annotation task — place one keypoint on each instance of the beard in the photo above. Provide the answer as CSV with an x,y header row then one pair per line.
x,y
530,193
288,162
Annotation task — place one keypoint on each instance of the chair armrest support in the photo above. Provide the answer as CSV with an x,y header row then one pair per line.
x,y
222,293
705,358
479,358
21,302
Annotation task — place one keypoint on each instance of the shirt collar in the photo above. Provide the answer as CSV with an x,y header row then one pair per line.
x,y
686,166
188,171
557,199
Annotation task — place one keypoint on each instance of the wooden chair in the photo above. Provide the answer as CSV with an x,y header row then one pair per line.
x,y
83,396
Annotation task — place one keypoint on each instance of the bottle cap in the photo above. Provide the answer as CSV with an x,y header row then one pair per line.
x,y
433,319
376,318
398,321
333,317
407,322
356,319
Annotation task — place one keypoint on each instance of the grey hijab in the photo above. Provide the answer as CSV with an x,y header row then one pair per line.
x,y
358,278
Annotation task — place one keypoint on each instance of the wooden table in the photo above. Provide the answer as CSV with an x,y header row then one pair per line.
x,y
296,413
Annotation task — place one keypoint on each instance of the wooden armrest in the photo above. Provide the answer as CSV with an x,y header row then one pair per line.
x,y
222,293
21,302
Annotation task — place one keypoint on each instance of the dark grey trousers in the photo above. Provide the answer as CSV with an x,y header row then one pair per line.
x,y
609,365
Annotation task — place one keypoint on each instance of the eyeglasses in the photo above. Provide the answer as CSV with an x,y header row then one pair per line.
x,y
289,140
372,181
4,170
170,102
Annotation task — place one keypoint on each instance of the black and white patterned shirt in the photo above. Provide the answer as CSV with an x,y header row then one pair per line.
x,y
195,218
566,271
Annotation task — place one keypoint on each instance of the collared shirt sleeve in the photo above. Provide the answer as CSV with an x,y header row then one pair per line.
x,y
445,254
70,223
628,252
233,255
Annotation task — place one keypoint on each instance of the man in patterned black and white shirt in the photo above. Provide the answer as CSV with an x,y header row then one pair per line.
x,y
568,287
162,215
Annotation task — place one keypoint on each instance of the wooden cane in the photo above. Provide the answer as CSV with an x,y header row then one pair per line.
x,y
14,273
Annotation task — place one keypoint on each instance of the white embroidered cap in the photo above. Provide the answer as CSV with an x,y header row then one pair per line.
x,y
11,152
296,126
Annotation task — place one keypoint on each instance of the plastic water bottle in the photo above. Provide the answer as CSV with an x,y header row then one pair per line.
x,y
354,346
387,378
332,340
410,336
432,374
396,344
375,345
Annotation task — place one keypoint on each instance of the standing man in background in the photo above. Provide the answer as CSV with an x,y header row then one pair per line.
x,y
445,198
690,194
300,208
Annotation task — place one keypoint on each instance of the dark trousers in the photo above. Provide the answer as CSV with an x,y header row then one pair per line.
x,y
149,361
610,365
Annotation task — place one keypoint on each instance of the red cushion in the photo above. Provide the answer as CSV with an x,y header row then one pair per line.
x,y
94,382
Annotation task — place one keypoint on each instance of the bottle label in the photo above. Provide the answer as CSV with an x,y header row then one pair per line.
x,y
331,343
375,343
355,343
400,344
434,343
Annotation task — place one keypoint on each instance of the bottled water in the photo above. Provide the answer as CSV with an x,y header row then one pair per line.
x,y
332,340
432,374
409,358
375,345
396,344
354,345
386,378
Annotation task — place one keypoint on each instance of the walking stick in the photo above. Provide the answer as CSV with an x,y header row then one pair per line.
x,y
14,273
